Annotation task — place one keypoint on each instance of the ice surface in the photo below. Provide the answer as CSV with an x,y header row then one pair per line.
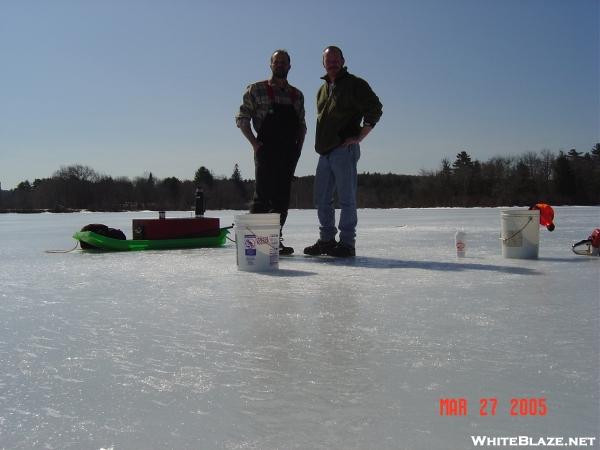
x,y
179,349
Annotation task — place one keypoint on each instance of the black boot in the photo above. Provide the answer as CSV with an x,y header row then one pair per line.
x,y
320,248
283,250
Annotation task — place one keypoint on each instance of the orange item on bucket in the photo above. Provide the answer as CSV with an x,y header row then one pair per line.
x,y
546,215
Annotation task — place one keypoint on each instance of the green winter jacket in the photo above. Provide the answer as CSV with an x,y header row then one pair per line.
x,y
339,115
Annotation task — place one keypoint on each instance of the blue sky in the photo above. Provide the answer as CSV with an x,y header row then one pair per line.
x,y
129,87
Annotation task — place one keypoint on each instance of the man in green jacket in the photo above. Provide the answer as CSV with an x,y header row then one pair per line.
x,y
343,101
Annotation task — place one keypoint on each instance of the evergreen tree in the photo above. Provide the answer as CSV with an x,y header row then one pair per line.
x,y
24,186
204,178
463,172
463,160
236,177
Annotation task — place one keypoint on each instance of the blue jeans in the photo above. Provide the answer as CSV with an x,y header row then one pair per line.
x,y
336,171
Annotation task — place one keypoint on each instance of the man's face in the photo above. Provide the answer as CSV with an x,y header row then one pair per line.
x,y
280,65
333,62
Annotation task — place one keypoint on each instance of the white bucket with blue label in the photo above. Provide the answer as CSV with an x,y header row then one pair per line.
x,y
257,242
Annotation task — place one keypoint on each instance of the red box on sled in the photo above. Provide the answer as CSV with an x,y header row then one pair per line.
x,y
177,228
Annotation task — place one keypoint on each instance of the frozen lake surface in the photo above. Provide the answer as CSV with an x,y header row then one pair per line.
x,y
178,349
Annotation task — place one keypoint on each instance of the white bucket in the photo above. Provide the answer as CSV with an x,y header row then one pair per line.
x,y
520,233
257,242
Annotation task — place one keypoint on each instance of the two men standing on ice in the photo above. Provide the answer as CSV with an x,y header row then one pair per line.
x,y
276,110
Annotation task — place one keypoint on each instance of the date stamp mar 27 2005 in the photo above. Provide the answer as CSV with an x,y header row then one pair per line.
x,y
491,406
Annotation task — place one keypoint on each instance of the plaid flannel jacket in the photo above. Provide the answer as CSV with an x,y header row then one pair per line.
x,y
256,102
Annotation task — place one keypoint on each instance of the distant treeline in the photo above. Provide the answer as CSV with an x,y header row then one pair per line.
x,y
566,178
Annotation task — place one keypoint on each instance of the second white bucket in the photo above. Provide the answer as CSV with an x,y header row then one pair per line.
x,y
257,242
520,233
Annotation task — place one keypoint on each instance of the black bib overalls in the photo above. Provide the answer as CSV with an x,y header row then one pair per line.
x,y
275,161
